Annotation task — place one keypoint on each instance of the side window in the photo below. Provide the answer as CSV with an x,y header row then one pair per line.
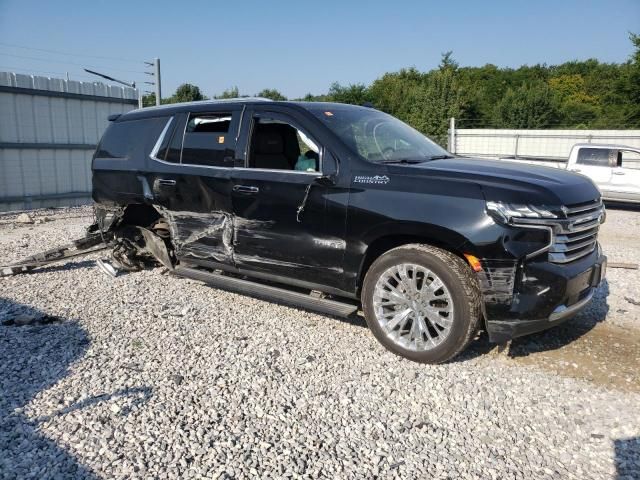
x,y
130,138
598,157
280,145
209,139
629,159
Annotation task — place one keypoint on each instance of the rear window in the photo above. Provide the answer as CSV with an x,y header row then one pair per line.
x,y
130,138
598,157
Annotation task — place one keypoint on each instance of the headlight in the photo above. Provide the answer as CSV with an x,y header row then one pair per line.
x,y
509,212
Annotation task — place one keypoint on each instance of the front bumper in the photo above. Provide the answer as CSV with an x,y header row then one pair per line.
x,y
537,295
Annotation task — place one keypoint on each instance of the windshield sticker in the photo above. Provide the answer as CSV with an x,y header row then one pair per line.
x,y
329,114
377,179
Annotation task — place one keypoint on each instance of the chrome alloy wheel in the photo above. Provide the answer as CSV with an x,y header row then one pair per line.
x,y
413,307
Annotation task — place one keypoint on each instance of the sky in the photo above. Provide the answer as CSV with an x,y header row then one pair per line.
x,y
302,47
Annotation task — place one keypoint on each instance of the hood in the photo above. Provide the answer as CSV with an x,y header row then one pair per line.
x,y
509,181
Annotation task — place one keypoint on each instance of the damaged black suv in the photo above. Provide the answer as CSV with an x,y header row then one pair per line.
x,y
335,207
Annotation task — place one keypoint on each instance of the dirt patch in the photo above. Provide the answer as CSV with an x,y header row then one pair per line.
x,y
606,355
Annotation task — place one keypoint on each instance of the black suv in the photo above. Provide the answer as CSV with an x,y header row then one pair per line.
x,y
332,207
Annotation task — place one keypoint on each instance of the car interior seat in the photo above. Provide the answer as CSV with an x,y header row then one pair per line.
x,y
274,146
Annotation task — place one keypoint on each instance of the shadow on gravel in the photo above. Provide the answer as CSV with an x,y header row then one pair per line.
x,y
567,332
138,396
552,339
71,265
32,359
627,452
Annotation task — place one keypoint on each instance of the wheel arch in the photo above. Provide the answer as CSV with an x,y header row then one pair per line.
x,y
433,235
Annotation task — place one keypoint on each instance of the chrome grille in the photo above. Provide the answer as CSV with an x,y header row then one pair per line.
x,y
576,236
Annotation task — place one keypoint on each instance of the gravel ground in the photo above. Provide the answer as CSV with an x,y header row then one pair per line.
x,y
152,376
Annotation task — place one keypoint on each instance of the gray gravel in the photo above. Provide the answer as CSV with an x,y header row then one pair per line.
x,y
151,376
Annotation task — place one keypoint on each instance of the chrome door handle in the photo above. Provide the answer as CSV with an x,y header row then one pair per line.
x,y
245,189
618,172
166,183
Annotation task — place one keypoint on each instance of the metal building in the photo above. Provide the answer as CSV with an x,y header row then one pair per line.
x,y
49,128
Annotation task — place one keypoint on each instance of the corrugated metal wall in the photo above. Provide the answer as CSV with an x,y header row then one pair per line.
x,y
49,128
543,144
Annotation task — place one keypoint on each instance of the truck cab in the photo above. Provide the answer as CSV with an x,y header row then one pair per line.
x,y
615,169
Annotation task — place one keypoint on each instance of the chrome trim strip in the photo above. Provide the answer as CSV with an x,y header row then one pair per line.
x,y
563,311
156,147
564,238
562,258
591,206
563,247
582,228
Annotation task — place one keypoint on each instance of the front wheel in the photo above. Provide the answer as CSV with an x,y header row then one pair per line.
x,y
421,302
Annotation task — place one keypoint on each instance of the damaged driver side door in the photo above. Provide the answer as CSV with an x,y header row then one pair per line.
x,y
190,182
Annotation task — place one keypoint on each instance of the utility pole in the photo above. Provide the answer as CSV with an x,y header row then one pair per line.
x,y
452,135
157,82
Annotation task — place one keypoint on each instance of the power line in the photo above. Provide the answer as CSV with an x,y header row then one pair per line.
x,y
30,71
69,63
72,75
69,54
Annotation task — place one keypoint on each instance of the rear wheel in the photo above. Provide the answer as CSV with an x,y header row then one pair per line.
x,y
421,302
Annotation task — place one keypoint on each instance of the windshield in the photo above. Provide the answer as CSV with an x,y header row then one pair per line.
x,y
376,136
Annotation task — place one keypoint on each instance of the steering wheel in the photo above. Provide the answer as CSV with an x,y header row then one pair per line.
x,y
387,151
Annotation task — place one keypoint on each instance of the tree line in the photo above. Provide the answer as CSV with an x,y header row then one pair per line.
x,y
573,95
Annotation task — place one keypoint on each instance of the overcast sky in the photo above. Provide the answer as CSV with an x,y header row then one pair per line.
x,y
298,46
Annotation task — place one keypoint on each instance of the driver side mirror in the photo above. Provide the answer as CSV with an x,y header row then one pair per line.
x,y
329,169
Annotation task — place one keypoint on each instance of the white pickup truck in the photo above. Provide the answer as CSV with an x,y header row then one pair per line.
x,y
615,169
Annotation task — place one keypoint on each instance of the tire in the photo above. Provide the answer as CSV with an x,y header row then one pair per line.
x,y
451,312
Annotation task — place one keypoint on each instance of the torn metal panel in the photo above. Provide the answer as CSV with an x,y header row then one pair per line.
x,y
106,217
201,235
497,279
155,246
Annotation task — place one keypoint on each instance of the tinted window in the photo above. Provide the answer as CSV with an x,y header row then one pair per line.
x,y
130,138
209,139
175,146
599,157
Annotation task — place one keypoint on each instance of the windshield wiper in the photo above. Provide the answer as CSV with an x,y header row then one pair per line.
x,y
402,160
440,157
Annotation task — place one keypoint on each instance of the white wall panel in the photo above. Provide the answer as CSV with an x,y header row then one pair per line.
x,y
32,177
546,144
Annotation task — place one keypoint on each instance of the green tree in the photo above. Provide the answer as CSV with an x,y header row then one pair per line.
x,y
424,100
232,92
149,100
632,114
577,108
528,106
187,93
440,98
357,94
271,93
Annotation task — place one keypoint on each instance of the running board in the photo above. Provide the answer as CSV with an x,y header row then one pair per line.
x,y
268,292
